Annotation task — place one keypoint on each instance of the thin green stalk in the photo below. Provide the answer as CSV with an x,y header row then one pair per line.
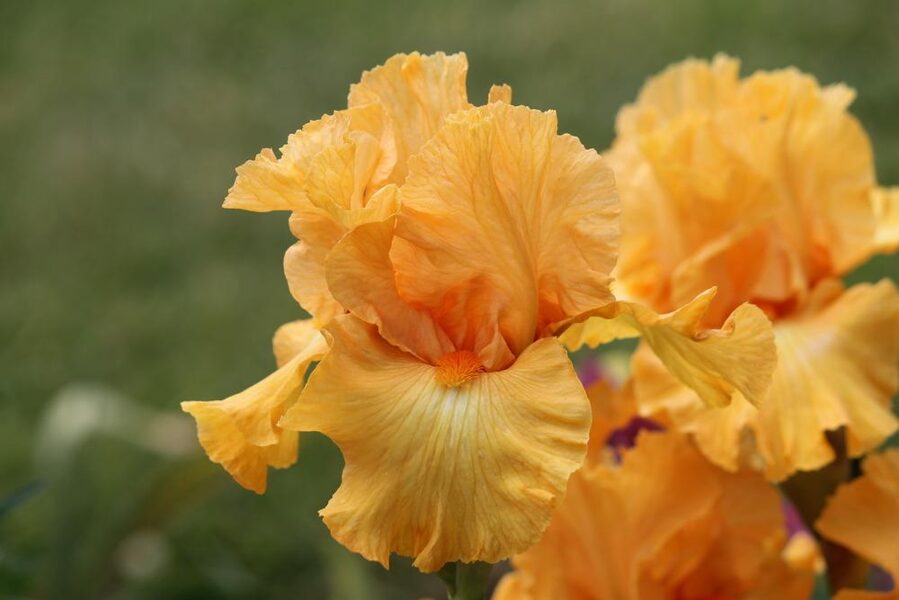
x,y
466,581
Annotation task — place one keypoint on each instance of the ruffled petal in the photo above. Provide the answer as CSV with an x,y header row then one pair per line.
x,y
333,163
417,92
828,166
361,275
760,186
505,229
441,472
500,93
319,231
241,432
690,85
719,432
265,184
664,523
304,268
836,368
294,338
863,516
333,174
739,357
345,179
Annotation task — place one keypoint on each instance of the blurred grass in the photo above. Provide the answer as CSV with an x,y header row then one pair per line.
x,y
122,124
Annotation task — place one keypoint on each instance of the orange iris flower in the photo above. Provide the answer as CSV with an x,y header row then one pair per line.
x,y
665,524
443,248
763,186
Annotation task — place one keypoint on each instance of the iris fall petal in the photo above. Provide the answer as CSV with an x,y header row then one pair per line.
x,y
739,357
241,432
836,368
443,472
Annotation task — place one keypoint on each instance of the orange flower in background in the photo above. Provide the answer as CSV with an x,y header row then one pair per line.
x,y
443,248
764,187
665,524
863,516
761,186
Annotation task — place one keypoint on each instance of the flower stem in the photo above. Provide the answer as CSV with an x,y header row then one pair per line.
x,y
465,581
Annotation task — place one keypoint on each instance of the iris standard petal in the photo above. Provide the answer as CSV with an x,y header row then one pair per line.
x,y
265,184
417,92
361,275
319,231
760,186
505,229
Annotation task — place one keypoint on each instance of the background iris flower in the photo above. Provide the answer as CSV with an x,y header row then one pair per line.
x,y
763,186
666,523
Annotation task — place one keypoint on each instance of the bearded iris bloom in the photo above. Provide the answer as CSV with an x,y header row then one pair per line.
x,y
443,248
665,523
764,187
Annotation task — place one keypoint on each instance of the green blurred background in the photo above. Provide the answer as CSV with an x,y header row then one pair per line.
x,y
126,288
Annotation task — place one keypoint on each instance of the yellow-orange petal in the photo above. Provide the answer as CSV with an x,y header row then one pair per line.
x,y
832,221
886,210
334,163
265,184
505,228
863,515
241,432
319,231
739,357
500,93
836,368
305,272
345,178
304,263
663,524
417,92
364,129
294,338
736,183
436,472
361,276
719,432
688,86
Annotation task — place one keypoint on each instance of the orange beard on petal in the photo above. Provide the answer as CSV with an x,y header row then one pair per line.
x,y
456,368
